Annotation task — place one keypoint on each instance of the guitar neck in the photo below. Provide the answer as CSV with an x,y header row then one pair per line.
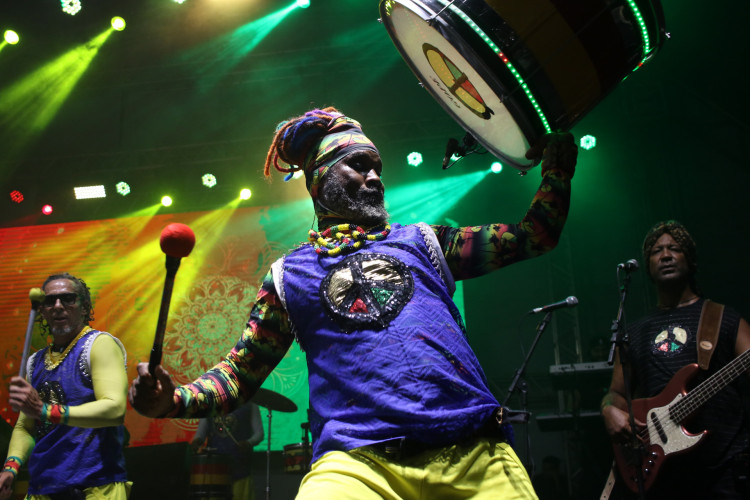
x,y
709,387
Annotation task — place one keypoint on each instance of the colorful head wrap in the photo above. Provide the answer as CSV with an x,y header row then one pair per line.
x,y
315,142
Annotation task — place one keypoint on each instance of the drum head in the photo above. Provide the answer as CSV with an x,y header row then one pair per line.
x,y
509,72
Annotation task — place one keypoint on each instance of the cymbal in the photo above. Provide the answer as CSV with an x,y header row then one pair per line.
x,y
273,401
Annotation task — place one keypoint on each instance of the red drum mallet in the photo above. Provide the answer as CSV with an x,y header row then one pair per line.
x,y
176,241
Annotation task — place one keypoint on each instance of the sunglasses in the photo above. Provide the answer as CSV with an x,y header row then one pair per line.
x,y
66,299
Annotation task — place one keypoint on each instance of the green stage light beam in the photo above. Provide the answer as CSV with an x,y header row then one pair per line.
x,y
31,103
429,200
224,53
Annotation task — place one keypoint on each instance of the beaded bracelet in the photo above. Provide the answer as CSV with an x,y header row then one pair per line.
x,y
12,465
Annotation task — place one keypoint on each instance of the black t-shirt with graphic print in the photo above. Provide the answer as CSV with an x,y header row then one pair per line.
x,y
663,342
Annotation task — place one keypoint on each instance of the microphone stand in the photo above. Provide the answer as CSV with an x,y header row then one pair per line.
x,y
524,392
268,458
620,340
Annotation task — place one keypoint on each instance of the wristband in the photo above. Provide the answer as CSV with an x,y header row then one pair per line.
x,y
12,465
55,414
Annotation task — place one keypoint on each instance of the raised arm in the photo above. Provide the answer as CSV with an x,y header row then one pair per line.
x,y
477,250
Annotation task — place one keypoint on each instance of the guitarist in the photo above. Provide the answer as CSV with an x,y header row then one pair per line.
x,y
659,345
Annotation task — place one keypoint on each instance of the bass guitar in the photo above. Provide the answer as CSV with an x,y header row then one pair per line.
x,y
664,414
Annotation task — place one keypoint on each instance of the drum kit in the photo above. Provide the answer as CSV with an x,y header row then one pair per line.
x,y
210,477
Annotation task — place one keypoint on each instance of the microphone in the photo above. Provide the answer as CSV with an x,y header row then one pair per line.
x,y
631,265
453,148
569,302
450,149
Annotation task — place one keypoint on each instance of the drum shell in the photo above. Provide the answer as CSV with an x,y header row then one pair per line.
x,y
210,477
297,458
547,62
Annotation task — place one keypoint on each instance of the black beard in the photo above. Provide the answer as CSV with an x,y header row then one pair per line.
x,y
366,208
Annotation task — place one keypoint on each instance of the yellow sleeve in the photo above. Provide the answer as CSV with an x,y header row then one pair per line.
x,y
22,439
110,387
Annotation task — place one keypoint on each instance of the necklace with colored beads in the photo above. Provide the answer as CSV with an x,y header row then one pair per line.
x,y
343,238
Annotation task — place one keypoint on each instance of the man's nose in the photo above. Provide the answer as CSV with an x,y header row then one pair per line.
x,y
372,177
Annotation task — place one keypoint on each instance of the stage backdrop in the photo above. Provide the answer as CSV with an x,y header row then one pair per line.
x,y
122,263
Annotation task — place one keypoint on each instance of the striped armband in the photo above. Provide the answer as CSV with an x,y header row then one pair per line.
x,y
55,414
12,465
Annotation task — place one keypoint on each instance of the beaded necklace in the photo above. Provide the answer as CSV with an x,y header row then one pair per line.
x,y
343,238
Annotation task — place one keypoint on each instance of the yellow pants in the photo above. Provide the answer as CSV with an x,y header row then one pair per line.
x,y
484,468
111,491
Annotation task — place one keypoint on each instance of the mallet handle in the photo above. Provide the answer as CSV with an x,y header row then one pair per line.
x,y
172,264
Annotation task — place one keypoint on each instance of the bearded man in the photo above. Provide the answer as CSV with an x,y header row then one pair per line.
x,y
400,406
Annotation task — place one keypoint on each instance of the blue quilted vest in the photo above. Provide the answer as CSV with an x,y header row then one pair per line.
x,y
65,457
386,349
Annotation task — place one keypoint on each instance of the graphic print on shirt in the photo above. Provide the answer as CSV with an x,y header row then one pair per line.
x,y
670,341
366,290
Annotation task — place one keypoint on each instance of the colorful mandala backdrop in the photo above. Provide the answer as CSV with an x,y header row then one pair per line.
x,y
122,263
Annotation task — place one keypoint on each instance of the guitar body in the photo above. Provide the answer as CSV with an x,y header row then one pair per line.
x,y
666,436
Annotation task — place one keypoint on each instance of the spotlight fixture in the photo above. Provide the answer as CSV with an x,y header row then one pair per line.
x,y
118,23
47,209
71,7
88,192
414,159
302,3
245,194
496,167
16,196
166,201
11,37
588,142
123,188
208,180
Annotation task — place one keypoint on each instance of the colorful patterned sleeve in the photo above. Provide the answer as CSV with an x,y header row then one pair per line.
x,y
476,250
263,344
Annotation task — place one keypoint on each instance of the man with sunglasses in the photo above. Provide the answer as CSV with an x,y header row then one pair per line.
x,y
72,404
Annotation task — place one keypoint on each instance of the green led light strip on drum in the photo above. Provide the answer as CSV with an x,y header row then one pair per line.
x,y
496,49
644,32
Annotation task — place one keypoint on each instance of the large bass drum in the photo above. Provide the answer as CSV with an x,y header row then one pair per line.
x,y
511,70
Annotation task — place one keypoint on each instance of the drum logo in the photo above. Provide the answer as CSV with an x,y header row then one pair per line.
x,y
456,82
